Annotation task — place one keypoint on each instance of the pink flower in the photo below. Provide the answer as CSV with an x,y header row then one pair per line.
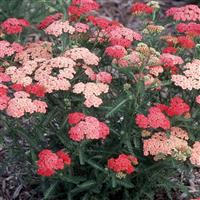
x,y
89,128
195,156
91,92
161,144
81,28
198,99
104,77
57,28
82,54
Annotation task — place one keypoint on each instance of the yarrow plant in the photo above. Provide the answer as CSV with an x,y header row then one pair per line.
x,y
103,111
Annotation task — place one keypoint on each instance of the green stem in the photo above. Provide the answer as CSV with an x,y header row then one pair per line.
x,y
116,107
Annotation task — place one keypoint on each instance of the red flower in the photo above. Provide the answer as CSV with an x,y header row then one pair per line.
x,y
64,156
17,87
177,107
80,7
36,89
139,8
124,163
75,118
48,162
115,51
171,50
186,42
14,25
49,20
3,91
141,121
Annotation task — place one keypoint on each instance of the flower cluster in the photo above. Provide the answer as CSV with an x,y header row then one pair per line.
x,y
35,50
49,20
8,49
141,8
14,25
50,162
43,73
124,163
190,78
191,28
156,117
22,103
81,7
185,13
82,55
86,127
91,92
195,155
160,145
57,28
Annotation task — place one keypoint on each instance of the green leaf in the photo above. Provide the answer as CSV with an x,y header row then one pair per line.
x,y
50,190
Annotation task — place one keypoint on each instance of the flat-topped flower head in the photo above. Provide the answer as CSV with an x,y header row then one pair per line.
x,y
195,156
14,25
184,13
82,55
81,7
124,163
22,103
49,20
34,50
155,119
59,27
50,162
91,92
190,79
116,51
8,49
141,8
87,127
160,145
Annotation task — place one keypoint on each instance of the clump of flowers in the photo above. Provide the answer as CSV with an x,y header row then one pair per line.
x,y
116,51
34,50
190,79
198,99
50,162
184,13
57,28
86,127
123,164
81,7
160,145
195,155
177,107
44,75
153,29
82,55
141,8
8,49
14,25
22,103
49,20
155,119
91,92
